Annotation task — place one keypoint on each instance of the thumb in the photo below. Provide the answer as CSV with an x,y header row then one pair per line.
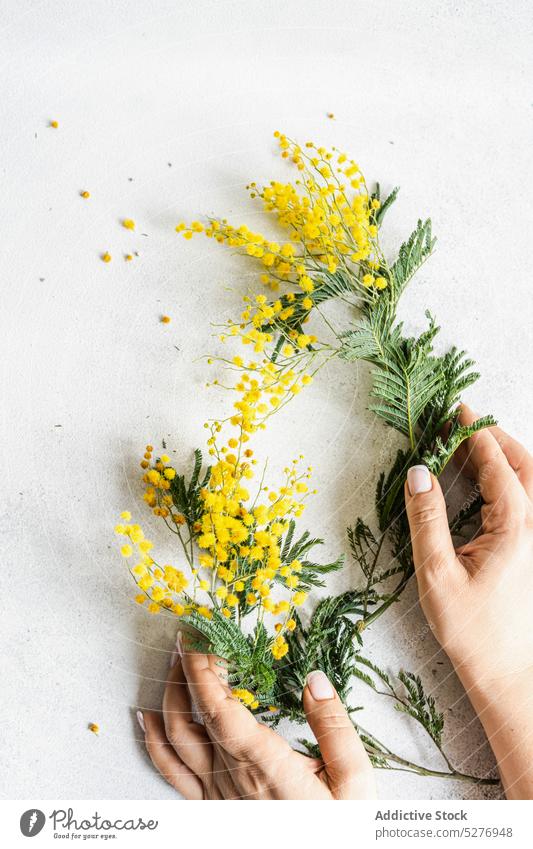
x,y
431,540
348,768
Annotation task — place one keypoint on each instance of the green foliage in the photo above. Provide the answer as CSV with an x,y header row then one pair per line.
x,y
380,213
186,494
329,642
411,256
248,659
415,391
442,452
311,572
364,547
420,706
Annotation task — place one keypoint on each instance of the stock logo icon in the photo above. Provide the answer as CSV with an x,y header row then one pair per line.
x,y
32,822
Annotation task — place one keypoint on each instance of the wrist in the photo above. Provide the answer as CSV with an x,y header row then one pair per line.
x,y
504,706
498,692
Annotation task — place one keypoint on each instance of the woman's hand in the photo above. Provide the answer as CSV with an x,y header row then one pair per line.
x,y
232,756
478,598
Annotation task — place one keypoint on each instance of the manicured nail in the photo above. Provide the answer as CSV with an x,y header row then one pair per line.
x,y
140,720
320,688
177,651
418,479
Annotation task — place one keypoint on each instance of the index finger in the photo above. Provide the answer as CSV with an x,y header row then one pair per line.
x,y
497,481
518,457
227,721
187,737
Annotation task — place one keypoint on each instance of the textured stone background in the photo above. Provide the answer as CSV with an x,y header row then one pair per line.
x,y
166,110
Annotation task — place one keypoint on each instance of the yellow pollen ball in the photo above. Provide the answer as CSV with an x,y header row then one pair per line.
x,y
128,224
106,257
165,319
94,727
85,194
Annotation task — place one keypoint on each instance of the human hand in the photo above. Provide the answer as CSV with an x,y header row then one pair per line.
x,y
232,756
478,598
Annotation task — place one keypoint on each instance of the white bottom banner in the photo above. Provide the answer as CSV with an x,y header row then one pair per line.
x,y
346,824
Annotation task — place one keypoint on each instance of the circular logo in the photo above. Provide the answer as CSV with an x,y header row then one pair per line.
x,y
32,822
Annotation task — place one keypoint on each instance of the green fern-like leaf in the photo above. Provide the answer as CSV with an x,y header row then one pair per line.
x,y
412,254
421,706
249,661
311,572
442,452
380,213
186,493
364,546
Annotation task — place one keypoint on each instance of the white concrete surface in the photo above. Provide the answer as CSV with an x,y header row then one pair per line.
x,y
166,110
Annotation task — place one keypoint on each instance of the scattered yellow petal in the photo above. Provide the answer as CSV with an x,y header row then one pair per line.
x,y
165,319
85,194
94,727
128,224
106,257
54,124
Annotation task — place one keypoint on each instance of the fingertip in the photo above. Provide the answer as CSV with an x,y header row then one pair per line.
x,y
319,686
419,480
466,415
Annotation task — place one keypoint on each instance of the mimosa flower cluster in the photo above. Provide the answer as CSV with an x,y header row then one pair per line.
x,y
232,543
332,233
328,215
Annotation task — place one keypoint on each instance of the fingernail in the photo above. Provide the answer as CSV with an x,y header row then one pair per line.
x,y
177,651
319,686
418,479
140,720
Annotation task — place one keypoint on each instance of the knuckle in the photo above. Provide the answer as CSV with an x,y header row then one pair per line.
x,y
425,515
504,516
211,718
435,565
331,721
174,737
